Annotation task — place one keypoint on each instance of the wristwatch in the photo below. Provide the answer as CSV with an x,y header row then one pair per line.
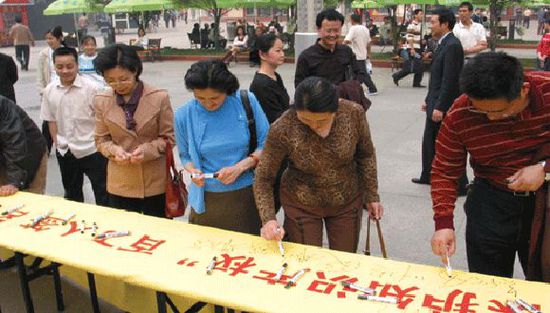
x,y
547,174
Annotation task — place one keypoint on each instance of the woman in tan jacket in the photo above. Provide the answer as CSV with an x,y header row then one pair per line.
x,y
133,123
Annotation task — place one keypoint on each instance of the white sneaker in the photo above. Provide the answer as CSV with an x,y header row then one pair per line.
x,y
372,93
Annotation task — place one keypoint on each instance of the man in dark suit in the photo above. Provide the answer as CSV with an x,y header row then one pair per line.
x,y
8,76
443,88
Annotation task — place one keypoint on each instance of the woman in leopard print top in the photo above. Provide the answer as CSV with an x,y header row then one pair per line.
x,y
331,172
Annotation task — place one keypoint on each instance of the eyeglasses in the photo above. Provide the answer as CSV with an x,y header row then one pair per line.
x,y
120,82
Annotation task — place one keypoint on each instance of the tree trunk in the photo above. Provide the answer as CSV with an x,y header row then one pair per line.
x,y
216,30
495,10
394,29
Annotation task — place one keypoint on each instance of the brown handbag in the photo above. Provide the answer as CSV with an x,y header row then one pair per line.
x,y
176,192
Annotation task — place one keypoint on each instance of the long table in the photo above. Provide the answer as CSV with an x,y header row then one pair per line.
x,y
165,257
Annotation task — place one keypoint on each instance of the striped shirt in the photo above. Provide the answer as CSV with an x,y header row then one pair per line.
x,y
497,148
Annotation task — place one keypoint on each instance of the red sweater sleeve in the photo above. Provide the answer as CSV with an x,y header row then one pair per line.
x,y
447,167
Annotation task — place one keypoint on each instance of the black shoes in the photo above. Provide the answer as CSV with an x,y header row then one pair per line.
x,y
420,181
419,86
396,81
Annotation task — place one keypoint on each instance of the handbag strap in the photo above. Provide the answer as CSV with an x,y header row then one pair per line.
x,y
251,122
170,164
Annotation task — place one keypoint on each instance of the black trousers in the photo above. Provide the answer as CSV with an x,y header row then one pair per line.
x,y
367,80
498,225
152,206
431,129
72,175
47,135
22,53
412,65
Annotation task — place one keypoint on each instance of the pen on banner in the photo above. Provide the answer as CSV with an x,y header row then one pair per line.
x,y
41,217
280,242
295,278
367,291
210,266
448,266
391,300
13,209
205,175
67,219
82,227
527,306
94,229
280,272
114,234
513,305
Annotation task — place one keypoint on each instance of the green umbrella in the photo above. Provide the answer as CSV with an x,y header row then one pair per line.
x,y
365,4
125,6
226,4
72,7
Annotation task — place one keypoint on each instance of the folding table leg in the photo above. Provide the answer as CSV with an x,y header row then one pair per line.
x,y
24,282
161,302
93,293
57,284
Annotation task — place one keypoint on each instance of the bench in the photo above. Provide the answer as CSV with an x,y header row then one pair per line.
x,y
152,50
397,63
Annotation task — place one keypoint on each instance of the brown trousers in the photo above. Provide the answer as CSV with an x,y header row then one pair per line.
x,y
232,210
305,225
38,184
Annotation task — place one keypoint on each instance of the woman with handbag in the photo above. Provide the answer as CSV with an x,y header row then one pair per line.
x,y
331,172
134,123
220,136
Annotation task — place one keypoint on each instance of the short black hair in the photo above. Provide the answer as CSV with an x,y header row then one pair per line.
x,y
62,51
445,16
415,12
211,74
118,55
467,5
266,42
492,75
316,94
329,15
88,38
18,19
356,18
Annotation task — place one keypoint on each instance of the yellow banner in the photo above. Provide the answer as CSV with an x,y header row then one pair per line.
x,y
173,257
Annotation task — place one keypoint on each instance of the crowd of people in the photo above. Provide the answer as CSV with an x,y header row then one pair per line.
x,y
252,152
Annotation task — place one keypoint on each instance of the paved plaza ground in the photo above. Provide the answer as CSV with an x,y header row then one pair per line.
x,y
396,124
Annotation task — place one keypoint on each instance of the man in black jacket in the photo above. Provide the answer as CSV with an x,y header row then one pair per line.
x,y
443,89
8,76
23,158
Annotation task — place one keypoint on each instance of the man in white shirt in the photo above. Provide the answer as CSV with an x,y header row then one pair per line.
x,y
67,106
359,38
413,62
471,35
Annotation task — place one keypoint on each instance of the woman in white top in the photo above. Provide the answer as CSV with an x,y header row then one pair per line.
x,y
46,71
142,41
239,44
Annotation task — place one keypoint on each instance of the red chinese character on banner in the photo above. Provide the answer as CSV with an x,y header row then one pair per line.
x,y
44,224
326,286
74,228
186,263
12,215
145,245
236,265
269,277
404,296
502,307
464,306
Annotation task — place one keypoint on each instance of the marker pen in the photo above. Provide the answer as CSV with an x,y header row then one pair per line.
x,y
391,300
295,278
366,290
13,209
210,266
514,306
448,265
205,175
114,234
280,243
82,227
94,229
67,219
527,306
41,217
280,273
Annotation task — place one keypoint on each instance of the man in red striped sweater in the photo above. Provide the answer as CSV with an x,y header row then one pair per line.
x,y
501,120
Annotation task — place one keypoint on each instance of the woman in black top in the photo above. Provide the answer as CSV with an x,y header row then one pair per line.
x,y
267,85
270,91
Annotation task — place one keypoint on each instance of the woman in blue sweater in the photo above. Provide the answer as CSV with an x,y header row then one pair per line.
x,y
213,137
